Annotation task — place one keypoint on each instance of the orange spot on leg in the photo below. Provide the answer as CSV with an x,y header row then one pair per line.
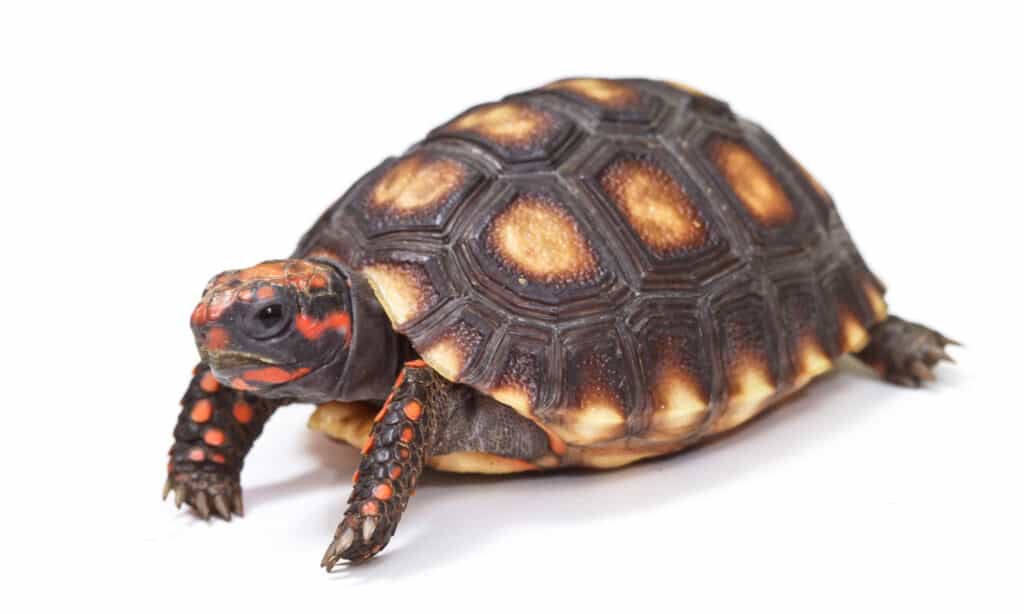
x,y
413,410
201,411
416,363
395,472
383,491
218,458
209,383
197,455
407,434
214,437
242,412
370,508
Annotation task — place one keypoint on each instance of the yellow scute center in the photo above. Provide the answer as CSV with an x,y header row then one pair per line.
x,y
758,190
416,183
505,122
655,205
540,240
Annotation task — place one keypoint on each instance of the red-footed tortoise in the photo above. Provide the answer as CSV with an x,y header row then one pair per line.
x,y
585,274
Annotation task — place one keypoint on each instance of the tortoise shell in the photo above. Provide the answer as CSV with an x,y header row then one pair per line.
x,y
625,262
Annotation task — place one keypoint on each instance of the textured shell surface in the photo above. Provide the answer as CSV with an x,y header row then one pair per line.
x,y
626,262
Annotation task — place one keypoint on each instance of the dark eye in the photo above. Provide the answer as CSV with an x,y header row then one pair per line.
x,y
270,316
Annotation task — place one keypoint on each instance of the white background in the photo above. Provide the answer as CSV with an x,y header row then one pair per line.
x,y
145,147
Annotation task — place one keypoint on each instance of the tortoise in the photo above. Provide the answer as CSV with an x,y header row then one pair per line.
x,y
586,274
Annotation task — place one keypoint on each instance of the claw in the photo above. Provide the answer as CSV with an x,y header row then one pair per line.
x,y
904,380
201,505
179,495
922,372
369,526
339,545
236,503
947,341
167,487
220,503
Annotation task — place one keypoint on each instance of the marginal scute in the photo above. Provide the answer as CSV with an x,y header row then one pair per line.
x,y
403,289
656,207
417,182
679,404
750,388
506,123
537,238
852,332
598,418
753,184
450,351
687,89
605,92
811,360
877,302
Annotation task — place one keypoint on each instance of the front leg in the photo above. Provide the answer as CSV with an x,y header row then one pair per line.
x,y
216,428
402,437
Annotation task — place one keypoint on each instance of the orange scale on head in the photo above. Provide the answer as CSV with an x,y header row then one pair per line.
x,y
199,315
246,295
217,338
265,292
240,384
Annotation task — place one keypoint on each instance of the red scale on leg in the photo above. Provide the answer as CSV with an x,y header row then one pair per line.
x,y
388,472
215,430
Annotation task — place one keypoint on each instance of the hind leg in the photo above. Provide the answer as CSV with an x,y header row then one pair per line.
x,y
905,353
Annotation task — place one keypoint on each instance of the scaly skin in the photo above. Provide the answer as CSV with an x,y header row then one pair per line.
x,y
216,428
905,353
401,439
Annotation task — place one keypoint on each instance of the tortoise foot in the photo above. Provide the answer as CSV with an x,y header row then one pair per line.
x,y
906,353
359,537
207,493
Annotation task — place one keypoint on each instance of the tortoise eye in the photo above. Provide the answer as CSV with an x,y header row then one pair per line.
x,y
266,320
270,316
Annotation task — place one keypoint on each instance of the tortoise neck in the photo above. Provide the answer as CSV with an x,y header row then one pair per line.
x,y
376,352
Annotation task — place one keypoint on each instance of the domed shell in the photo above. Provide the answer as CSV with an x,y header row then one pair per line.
x,y
626,262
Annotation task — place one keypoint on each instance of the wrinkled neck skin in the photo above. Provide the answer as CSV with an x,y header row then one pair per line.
x,y
376,352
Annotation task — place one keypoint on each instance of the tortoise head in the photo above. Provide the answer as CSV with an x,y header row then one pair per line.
x,y
279,328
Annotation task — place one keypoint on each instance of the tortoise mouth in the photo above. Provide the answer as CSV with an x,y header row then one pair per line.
x,y
225,361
